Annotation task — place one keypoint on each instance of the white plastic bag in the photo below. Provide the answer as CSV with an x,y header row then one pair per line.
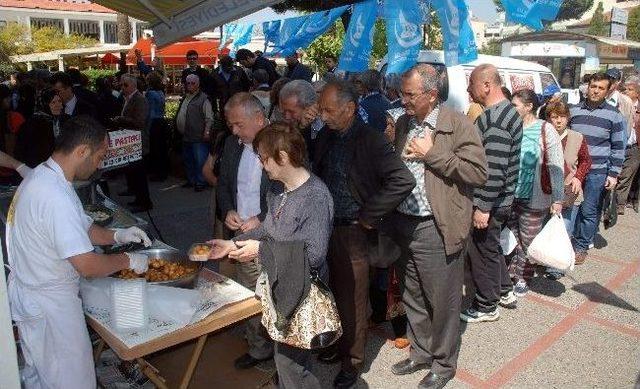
x,y
508,241
552,246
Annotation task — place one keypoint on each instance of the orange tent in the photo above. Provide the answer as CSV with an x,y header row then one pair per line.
x,y
175,54
109,59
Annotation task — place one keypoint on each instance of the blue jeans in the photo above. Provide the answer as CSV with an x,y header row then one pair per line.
x,y
590,211
569,216
194,155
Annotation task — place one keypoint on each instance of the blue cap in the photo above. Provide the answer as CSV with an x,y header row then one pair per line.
x,y
550,90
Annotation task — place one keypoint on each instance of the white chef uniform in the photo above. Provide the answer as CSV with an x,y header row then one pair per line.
x,y
46,225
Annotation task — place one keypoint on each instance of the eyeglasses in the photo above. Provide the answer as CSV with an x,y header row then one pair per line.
x,y
192,58
411,96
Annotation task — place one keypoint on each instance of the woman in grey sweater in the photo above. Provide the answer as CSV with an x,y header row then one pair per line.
x,y
299,210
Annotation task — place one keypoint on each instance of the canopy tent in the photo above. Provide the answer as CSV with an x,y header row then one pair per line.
x,y
173,20
175,53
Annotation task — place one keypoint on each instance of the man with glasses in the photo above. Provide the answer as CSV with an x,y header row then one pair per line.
x,y
444,153
202,73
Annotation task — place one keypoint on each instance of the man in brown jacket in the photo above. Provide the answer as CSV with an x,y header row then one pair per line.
x,y
134,117
444,152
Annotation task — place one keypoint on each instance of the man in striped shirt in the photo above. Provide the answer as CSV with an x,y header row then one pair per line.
x,y
603,127
500,127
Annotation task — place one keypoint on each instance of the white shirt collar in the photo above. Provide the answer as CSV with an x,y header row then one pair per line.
x,y
70,105
613,99
53,165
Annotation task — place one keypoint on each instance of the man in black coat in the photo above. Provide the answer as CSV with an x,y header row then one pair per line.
x,y
373,101
367,180
206,84
296,70
250,61
73,104
228,79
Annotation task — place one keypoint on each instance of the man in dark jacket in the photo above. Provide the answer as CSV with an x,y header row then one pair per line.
x,y
73,104
241,197
250,61
367,181
373,101
296,70
228,80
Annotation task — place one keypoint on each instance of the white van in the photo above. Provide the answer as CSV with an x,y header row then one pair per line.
x,y
516,74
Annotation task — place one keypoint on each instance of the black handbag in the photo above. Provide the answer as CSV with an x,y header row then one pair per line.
x,y
610,209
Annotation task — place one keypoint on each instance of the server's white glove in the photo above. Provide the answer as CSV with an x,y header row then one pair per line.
x,y
23,170
139,263
131,235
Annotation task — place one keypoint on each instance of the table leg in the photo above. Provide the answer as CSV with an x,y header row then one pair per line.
x,y
195,357
152,373
98,350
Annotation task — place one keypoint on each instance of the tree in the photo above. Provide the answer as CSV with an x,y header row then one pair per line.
x,y
598,25
124,37
633,25
493,47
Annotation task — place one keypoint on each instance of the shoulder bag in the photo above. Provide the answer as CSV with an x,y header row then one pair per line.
x,y
545,176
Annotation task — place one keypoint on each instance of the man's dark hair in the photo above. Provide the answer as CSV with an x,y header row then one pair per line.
x,y
243,54
261,76
62,78
75,76
80,130
600,76
345,90
191,52
371,79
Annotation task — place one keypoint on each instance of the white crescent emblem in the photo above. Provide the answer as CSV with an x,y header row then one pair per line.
x,y
357,33
410,34
318,26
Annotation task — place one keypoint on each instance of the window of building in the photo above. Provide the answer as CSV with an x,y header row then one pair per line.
x,y
140,27
89,28
47,22
110,32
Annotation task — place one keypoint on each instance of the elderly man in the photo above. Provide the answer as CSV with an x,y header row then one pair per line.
x,y
603,126
134,117
298,101
632,155
242,205
367,180
373,101
501,129
444,152
194,121
193,67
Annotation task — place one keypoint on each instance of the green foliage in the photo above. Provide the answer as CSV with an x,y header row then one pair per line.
x,y
171,108
51,38
492,47
329,43
598,25
633,25
380,48
14,40
94,74
433,33
573,9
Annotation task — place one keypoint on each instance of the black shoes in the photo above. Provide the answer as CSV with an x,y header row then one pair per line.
x,y
187,185
329,356
407,366
200,187
433,381
246,361
345,379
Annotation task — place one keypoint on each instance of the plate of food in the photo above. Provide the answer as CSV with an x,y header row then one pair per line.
x,y
166,267
200,252
100,214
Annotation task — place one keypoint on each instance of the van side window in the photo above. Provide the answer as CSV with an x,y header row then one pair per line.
x,y
547,79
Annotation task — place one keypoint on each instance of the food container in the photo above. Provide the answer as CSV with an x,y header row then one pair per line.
x,y
172,255
129,305
199,252
100,214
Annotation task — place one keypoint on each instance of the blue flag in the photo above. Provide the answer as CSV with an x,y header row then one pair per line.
x,y
531,13
240,33
271,31
289,27
358,39
545,9
404,34
314,25
459,39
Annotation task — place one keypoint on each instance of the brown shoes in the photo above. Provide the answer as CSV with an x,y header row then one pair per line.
x,y
581,256
620,209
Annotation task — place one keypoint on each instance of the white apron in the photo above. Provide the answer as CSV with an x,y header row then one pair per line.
x,y
54,337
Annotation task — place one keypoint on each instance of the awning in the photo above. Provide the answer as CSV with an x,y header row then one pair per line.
x,y
175,54
173,20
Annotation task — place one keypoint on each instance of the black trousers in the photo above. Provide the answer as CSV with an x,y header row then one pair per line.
x,y
294,367
488,266
136,176
431,286
159,145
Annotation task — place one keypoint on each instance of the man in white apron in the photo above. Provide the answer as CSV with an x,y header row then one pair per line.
x,y
50,245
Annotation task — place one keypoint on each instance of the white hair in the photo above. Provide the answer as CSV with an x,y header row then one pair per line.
x,y
129,77
193,77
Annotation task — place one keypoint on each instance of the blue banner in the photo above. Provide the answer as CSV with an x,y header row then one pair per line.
x,y
404,34
314,25
358,39
289,27
271,31
240,33
531,13
459,40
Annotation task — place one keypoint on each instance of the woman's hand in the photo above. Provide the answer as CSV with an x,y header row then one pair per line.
x,y
575,185
247,251
221,248
556,208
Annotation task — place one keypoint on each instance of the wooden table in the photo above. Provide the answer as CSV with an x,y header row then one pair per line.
x,y
217,320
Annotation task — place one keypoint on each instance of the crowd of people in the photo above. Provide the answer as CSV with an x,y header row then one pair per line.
x,y
391,192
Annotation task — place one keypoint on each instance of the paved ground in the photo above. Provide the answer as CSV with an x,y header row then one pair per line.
x,y
580,332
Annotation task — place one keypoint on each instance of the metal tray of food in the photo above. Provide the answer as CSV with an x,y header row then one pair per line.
x,y
176,256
